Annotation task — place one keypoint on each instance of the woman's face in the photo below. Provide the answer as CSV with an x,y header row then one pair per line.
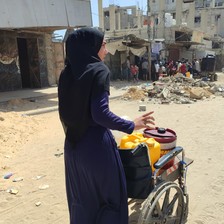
x,y
103,51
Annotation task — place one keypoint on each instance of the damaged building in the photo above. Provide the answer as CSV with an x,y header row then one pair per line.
x,y
28,56
175,29
119,49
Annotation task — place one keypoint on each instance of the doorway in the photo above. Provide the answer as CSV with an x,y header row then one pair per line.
x,y
29,62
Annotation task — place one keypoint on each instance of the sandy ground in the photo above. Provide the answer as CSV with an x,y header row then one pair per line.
x,y
31,148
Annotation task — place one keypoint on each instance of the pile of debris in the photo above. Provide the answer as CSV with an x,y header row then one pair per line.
x,y
135,93
178,90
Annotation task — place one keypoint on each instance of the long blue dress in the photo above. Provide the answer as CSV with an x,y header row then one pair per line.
x,y
95,181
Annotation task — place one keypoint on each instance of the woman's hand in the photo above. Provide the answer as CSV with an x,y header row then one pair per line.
x,y
145,121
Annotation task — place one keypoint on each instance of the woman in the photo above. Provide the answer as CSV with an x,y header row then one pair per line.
x,y
95,181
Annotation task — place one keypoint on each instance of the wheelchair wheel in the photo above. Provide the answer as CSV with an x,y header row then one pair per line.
x,y
186,208
165,204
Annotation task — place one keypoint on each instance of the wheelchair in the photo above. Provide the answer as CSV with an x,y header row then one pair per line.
x,y
162,193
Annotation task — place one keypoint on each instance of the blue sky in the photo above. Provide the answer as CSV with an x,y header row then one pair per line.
x,y
142,4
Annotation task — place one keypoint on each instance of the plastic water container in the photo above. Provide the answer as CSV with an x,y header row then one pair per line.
x,y
154,150
188,74
133,140
166,137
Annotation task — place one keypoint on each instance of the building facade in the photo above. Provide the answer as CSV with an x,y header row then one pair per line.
x,y
28,56
183,30
195,27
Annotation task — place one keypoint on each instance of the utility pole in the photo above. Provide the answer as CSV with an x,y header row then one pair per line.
x,y
149,39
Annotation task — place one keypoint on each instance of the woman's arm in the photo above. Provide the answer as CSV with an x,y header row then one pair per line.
x,y
102,115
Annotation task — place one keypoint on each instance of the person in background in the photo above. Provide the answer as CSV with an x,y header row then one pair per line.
x,y
134,72
95,179
193,66
124,71
157,69
128,63
169,68
137,72
190,68
174,69
153,71
197,66
178,66
145,69
183,68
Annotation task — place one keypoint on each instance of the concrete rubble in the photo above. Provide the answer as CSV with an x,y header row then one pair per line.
x,y
178,89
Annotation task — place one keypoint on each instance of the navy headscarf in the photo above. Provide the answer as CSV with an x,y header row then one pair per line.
x,y
83,77
82,47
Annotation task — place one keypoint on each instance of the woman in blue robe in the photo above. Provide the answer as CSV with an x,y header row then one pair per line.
x,y
95,181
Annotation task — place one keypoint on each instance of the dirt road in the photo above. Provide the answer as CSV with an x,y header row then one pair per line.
x,y
32,148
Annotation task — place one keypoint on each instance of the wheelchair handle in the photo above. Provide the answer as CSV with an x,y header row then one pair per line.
x,y
167,157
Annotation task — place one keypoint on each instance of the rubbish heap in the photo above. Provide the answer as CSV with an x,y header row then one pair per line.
x,y
178,89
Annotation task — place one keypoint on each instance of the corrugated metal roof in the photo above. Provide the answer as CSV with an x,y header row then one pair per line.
x,y
44,13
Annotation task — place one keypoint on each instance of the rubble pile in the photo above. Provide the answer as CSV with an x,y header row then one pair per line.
x,y
177,90
135,93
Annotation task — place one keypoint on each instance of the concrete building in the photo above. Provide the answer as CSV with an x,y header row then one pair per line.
x,y
28,56
124,27
196,26
176,28
119,21
117,18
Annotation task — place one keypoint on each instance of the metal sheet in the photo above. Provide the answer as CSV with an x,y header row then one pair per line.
x,y
138,51
44,13
119,45
112,47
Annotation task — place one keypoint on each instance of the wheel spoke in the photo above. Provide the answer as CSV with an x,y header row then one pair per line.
x,y
172,204
166,200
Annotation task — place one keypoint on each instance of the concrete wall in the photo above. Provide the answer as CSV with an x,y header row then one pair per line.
x,y
10,78
55,52
59,59
50,52
23,61
117,18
